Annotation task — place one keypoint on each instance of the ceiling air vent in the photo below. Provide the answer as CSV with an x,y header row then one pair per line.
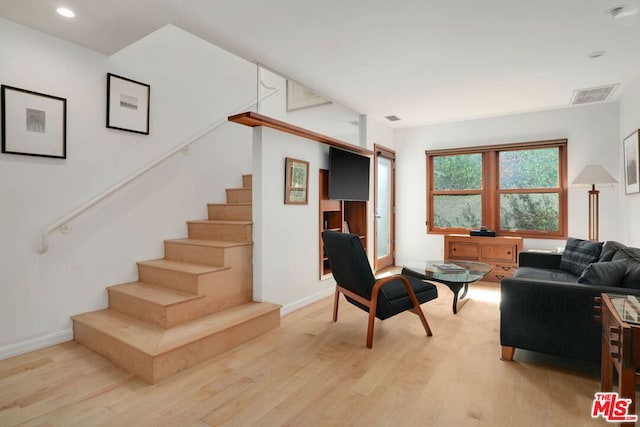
x,y
592,94
392,118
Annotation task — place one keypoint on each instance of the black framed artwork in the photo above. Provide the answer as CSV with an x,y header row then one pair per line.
x,y
127,104
631,146
33,123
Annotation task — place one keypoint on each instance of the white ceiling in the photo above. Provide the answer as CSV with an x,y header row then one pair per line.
x,y
425,61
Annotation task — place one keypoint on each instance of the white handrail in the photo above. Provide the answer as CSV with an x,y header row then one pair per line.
x,y
63,223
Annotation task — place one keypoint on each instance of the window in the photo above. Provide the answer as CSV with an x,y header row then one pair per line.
x,y
515,189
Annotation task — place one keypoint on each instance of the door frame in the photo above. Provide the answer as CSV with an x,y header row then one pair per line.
x,y
382,151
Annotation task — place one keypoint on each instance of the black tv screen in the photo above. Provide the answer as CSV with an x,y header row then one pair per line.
x,y
348,175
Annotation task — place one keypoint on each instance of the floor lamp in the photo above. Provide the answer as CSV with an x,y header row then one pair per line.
x,y
594,175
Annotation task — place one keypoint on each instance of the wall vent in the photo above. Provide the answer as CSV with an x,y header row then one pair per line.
x,y
392,118
592,94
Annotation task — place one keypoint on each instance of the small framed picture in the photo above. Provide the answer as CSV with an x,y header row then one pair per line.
x,y
300,96
33,124
296,187
632,163
127,104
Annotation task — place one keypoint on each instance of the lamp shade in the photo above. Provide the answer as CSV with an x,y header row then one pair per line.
x,y
594,175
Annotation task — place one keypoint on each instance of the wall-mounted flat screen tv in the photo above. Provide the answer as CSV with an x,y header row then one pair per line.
x,y
348,175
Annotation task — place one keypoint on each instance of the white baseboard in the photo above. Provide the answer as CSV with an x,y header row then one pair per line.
x,y
36,343
296,305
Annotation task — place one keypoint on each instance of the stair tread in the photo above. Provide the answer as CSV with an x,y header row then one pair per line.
x,y
154,340
239,188
210,243
182,266
231,204
153,293
219,221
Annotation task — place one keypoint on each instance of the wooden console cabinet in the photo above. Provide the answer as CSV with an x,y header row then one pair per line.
x,y
620,346
501,252
333,216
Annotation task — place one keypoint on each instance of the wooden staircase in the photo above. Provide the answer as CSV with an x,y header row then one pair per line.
x,y
193,304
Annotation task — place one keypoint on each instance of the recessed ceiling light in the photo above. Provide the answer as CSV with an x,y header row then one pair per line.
x,y
67,13
393,118
597,54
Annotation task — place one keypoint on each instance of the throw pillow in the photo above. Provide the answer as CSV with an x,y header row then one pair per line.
x,y
608,273
627,253
609,249
578,254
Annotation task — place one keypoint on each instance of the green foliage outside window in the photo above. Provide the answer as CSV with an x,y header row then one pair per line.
x,y
462,172
529,168
457,211
518,169
530,211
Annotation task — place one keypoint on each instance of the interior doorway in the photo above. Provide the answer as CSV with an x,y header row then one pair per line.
x,y
385,204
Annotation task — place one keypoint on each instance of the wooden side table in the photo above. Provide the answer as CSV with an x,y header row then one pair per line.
x,y
620,346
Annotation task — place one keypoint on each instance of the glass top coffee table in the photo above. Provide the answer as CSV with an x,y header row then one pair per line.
x,y
455,274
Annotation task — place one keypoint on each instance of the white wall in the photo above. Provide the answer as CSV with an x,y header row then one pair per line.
x,y
286,241
630,204
379,133
593,137
286,245
333,119
193,84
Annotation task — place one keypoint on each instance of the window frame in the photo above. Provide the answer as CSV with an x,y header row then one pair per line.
x,y
490,191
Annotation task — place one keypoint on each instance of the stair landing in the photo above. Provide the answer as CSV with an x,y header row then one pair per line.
x,y
154,353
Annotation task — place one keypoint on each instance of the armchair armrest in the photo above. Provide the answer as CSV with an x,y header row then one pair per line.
x,y
539,259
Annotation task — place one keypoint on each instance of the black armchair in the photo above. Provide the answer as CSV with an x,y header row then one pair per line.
x,y
381,298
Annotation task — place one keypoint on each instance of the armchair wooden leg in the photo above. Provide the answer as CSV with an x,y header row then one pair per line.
x,y
418,310
372,321
508,353
336,300
373,306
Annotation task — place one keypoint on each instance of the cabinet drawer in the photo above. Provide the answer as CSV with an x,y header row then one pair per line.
x,y
463,250
498,253
499,272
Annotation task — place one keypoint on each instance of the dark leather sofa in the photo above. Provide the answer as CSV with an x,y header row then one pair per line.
x,y
545,309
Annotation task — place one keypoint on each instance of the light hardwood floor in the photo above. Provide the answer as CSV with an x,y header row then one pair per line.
x,y
313,372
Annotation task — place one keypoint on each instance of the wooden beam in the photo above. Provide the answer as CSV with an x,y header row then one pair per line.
x,y
253,119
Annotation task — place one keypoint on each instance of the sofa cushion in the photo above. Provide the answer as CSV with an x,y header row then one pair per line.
x,y
578,254
609,249
627,253
547,274
632,276
608,273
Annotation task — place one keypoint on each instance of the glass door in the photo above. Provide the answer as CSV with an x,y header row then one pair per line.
x,y
384,226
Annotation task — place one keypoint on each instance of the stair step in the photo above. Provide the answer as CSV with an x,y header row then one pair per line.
x,y
238,195
209,252
232,231
181,276
247,181
154,353
161,306
230,211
